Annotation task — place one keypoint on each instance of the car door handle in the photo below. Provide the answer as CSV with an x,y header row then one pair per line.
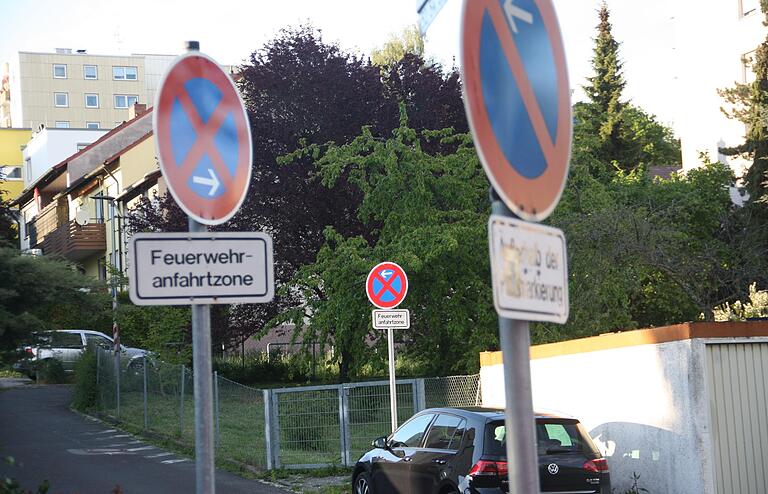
x,y
439,462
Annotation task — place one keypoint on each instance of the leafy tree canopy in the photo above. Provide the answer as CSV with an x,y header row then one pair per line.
x,y
409,41
40,293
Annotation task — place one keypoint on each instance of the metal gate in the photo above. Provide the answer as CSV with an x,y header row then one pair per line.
x,y
737,380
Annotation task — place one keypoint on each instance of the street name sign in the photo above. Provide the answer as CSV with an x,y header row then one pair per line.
x,y
200,268
392,319
517,100
428,10
203,139
529,270
386,285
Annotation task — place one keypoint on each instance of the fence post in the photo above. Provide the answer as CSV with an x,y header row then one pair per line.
x,y
420,400
268,427
146,411
346,454
117,384
275,421
216,409
181,404
98,361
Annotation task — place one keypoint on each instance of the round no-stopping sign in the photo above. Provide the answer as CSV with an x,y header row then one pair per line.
x,y
517,99
203,139
387,285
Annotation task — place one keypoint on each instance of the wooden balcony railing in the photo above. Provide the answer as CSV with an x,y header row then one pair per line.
x,y
75,241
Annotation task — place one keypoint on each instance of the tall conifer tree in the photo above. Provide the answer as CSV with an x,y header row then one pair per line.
x,y
605,92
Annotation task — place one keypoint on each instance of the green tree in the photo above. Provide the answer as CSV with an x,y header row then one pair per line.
x,y
40,293
409,41
749,103
8,232
620,135
605,91
429,211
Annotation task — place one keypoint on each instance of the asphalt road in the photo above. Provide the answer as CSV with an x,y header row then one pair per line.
x,y
83,456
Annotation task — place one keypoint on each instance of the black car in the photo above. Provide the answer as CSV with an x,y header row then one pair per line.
x,y
462,450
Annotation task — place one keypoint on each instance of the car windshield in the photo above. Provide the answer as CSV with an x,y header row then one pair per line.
x,y
553,436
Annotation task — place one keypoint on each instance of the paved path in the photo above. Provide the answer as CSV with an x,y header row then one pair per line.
x,y
83,456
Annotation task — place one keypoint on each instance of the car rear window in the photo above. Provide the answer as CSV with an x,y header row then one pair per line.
x,y
553,436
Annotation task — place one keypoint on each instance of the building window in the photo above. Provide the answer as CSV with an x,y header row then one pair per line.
x,y
125,100
62,124
59,71
91,100
61,100
124,73
749,7
90,72
102,269
28,168
10,173
92,125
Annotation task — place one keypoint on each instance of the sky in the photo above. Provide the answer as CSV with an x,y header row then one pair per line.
x,y
230,30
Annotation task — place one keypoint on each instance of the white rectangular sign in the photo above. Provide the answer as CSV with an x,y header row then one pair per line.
x,y
428,10
392,319
529,270
200,268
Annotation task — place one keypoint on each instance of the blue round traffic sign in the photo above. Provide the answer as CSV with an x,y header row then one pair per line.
x,y
517,99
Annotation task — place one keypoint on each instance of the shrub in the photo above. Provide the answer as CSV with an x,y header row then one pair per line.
x,y
86,389
51,371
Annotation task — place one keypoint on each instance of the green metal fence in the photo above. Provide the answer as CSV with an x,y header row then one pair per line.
x,y
300,427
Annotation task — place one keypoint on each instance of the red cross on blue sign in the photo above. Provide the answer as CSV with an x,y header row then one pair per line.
x,y
203,139
387,285
517,98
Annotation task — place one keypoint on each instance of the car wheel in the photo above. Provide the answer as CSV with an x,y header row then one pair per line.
x,y
362,484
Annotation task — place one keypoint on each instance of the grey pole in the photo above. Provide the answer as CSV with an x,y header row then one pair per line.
x,y
203,385
205,481
181,404
217,409
392,380
520,425
146,407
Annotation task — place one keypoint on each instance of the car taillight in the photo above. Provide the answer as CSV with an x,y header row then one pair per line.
x,y
495,468
596,465
29,351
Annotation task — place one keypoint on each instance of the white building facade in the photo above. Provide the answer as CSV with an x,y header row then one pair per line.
x,y
715,43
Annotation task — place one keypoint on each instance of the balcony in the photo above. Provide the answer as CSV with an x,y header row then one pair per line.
x,y
76,242
52,231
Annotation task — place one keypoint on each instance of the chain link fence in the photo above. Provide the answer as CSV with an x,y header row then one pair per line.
x,y
302,427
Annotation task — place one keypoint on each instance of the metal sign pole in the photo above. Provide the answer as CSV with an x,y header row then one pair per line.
x,y
392,380
203,387
515,343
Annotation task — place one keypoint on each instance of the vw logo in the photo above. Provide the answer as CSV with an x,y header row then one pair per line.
x,y
553,469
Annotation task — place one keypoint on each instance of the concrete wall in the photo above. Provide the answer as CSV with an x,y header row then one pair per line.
x,y
642,395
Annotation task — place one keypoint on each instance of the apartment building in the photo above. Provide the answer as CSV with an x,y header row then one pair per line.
x,y
11,162
75,209
715,44
74,89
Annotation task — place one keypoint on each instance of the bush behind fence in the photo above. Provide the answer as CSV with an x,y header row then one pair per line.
x,y
300,427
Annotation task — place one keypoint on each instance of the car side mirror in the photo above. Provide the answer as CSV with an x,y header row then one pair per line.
x,y
380,443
